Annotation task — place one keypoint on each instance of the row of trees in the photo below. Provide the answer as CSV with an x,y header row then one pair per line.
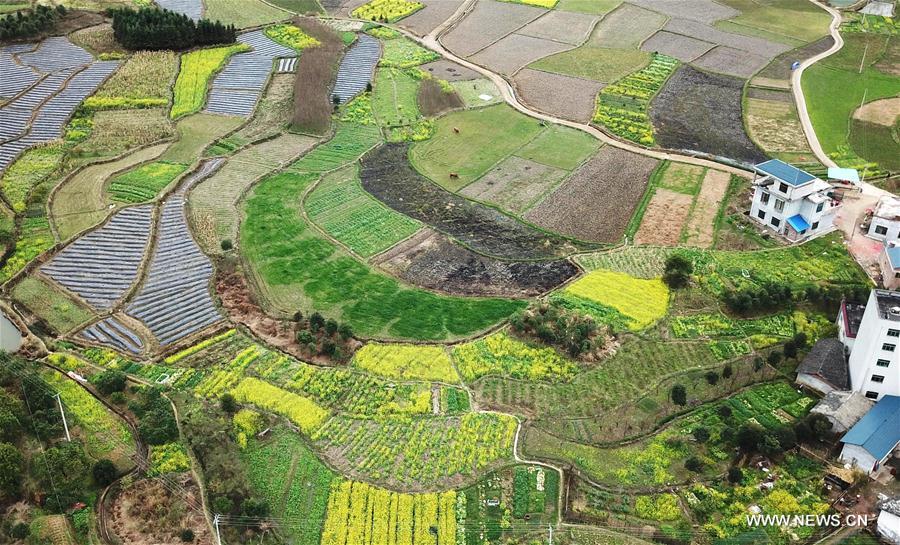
x,y
23,24
316,335
154,29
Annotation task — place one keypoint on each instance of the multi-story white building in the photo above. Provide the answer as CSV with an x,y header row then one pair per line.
x,y
791,202
885,222
874,362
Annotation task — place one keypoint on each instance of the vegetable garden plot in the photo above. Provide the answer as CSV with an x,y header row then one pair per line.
x,y
683,48
700,229
557,94
113,333
16,77
733,62
700,111
387,174
664,218
102,265
191,8
516,51
356,69
487,23
174,300
597,200
435,262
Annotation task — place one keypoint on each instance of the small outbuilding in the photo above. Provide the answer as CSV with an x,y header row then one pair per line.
x,y
824,369
843,409
884,224
890,266
871,441
888,525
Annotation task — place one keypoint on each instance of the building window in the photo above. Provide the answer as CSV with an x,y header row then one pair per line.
x,y
893,332
889,347
776,222
764,198
880,230
872,395
883,363
815,225
877,378
820,207
782,187
896,275
779,205
761,214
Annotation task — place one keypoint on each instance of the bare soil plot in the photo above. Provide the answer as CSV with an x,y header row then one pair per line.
x,y
700,230
780,67
597,200
449,70
434,100
557,94
594,7
664,218
515,51
515,184
733,62
774,125
750,44
487,23
683,48
701,111
79,203
433,261
386,174
101,266
561,26
705,11
626,27
214,200
425,20
880,112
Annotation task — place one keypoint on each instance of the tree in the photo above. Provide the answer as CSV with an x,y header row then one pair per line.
x,y
298,316
60,470
774,358
305,337
227,245
11,468
727,371
10,428
712,377
678,271
104,472
109,381
757,363
331,327
748,437
186,535
345,331
769,445
786,437
701,434
724,411
316,321
679,395
256,508
735,475
790,349
693,464
800,340
20,530
228,403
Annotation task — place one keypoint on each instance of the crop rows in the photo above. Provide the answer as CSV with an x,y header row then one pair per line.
x,y
145,182
425,450
624,107
237,88
717,325
360,513
187,356
642,301
102,265
349,142
55,54
406,362
500,354
158,374
112,332
197,67
16,77
191,8
303,412
227,376
357,68
387,11
174,301
404,53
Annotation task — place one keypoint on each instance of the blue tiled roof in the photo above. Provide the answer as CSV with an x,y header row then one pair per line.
x,y
785,172
879,430
798,223
894,256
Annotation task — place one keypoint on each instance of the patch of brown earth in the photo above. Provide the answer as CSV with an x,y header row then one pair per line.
x,y
664,218
701,228
147,513
881,112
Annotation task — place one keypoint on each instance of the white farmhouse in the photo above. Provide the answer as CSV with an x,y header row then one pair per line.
x,y
874,364
890,265
888,525
791,202
872,440
885,222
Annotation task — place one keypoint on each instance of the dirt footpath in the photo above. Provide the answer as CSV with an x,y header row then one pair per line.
x,y
700,228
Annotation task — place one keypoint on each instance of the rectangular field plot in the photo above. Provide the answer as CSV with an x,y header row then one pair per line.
x,y
349,142
683,48
706,11
700,229
516,51
197,68
561,26
487,23
345,211
16,77
775,124
664,218
102,265
112,332
191,8
557,94
515,184
61,311
144,182
731,61
356,69
406,362
244,13
749,44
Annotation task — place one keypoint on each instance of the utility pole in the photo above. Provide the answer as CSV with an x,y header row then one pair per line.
x,y
218,535
550,527
63,413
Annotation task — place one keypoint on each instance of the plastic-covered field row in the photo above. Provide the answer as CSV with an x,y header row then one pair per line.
x,y
191,8
16,77
102,265
15,117
174,300
237,88
53,115
287,65
55,54
357,68
115,334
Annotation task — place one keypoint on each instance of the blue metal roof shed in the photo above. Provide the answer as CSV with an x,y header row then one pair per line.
x,y
879,431
894,256
786,173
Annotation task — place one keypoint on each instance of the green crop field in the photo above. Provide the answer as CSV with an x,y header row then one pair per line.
x,y
244,13
197,69
145,182
61,312
560,147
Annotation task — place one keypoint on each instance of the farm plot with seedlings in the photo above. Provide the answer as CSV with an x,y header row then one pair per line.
x,y
557,94
113,333
772,121
33,167
702,111
55,307
394,452
214,199
432,260
356,69
874,140
395,107
580,207
349,142
467,144
401,52
101,266
386,174
515,184
298,269
387,11
623,107
145,182
361,513
477,92
487,23
406,362
174,300
196,70
34,238
516,51
792,23
341,207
